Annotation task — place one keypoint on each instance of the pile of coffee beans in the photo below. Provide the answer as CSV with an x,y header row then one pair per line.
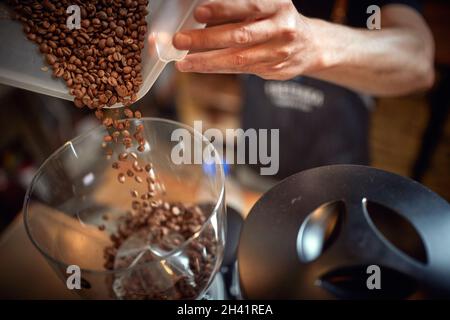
x,y
159,227
101,61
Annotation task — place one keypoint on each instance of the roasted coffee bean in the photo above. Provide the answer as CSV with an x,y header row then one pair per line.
x,y
137,167
116,135
121,90
121,178
134,155
51,59
128,113
123,156
151,174
134,193
112,101
112,82
119,31
110,42
99,114
44,48
107,122
176,211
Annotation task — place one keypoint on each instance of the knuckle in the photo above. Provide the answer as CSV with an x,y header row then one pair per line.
x,y
242,36
277,67
283,53
239,61
203,39
285,5
256,6
289,33
218,8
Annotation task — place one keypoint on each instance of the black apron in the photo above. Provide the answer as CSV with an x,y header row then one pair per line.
x,y
320,123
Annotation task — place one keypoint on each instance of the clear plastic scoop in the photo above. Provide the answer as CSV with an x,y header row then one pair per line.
x,y
23,66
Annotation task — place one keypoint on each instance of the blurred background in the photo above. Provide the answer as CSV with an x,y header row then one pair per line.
x,y
409,135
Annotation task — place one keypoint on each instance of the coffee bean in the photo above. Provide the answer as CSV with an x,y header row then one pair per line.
x,y
176,211
151,174
112,82
99,114
117,57
128,113
123,156
107,138
102,15
121,178
121,90
107,122
112,101
51,59
137,167
78,103
85,23
102,44
127,70
110,42
134,193
58,73
119,31
44,48
134,155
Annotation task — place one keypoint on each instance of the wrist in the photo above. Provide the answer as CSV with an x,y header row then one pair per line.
x,y
330,46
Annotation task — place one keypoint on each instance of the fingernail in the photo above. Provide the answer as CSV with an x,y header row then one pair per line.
x,y
184,65
203,13
182,41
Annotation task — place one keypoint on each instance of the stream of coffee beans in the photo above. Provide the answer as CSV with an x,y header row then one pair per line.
x,y
101,65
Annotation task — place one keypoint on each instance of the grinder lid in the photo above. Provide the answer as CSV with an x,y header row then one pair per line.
x,y
313,236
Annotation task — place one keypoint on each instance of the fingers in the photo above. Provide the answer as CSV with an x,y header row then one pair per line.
x,y
232,60
226,36
232,10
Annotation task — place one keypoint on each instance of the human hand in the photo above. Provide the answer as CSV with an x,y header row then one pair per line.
x,y
268,38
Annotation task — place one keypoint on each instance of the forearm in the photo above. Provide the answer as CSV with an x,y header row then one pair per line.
x,y
389,62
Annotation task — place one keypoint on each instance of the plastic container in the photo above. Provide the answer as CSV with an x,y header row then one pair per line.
x,y
21,63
